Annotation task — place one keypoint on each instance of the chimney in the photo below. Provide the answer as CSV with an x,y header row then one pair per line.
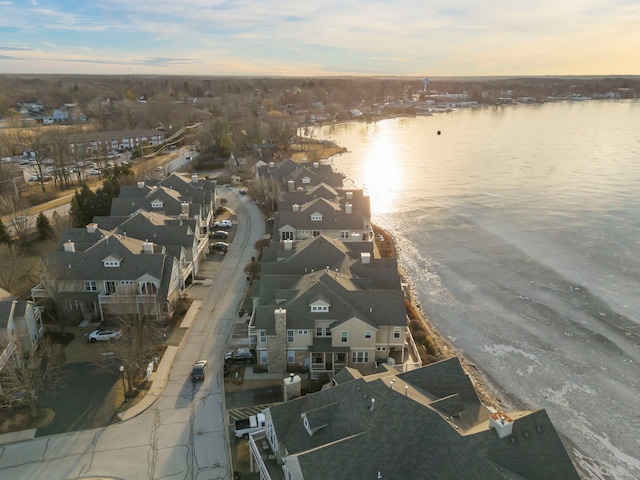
x,y
194,178
316,164
502,423
288,245
291,185
348,208
295,207
140,184
365,258
349,195
184,209
69,246
272,165
147,247
91,227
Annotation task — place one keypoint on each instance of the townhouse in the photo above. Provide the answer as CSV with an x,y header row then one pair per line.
x,y
423,423
292,176
119,140
343,214
323,304
20,329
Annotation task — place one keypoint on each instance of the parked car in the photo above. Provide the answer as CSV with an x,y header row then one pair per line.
x,y
198,371
94,171
223,224
219,234
103,335
242,191
219,247
240,355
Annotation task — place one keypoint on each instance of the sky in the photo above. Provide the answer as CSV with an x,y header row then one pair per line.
x,y
321,38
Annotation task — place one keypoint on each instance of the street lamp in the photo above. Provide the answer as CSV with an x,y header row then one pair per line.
x,y
124,388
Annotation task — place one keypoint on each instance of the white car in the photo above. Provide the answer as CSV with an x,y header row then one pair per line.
x,y
94,171
103,335
223,224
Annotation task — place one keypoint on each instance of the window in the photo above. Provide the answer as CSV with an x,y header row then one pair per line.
x,y
290,337
306,180
341,358
303,232
360,357
319,331
319,308
263,357
263,336
382,349
303,332
91,286
72,305
291,356
396,332
344,234
327,331
316,217
148,288
315,233
287,236
126,282
157,204
367,334
111,263
344,336
109,287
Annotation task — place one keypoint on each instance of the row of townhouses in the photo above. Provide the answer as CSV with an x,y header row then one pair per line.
x,y
328,306
141,258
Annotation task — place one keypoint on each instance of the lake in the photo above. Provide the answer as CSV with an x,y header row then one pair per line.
x,y
519,229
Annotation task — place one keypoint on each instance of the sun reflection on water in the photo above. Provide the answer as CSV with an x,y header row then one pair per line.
x,y
381,173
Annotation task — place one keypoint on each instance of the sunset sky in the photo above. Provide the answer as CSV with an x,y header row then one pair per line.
x,y
321,38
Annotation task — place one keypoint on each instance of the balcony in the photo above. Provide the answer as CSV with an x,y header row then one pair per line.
x,y
39,292
263,458
106,298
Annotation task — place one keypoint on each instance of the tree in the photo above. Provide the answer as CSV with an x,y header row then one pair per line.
x,y
141,333
15,209
11,255
252,269
44,228
36,368
52,280
4,233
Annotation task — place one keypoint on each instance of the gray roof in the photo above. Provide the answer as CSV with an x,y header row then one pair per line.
x,y
334,216
403,437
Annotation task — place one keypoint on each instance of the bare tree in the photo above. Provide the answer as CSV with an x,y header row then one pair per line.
x,y
52,280
11,255
35,368
141,334
34,140
14,208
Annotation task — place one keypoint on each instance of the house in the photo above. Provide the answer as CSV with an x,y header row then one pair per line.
x,y
323,210
291,175
323,305
20,328
115,275
424,423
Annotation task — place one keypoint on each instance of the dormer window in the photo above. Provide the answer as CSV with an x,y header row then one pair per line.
x,y
111,263
306,180
316,217
319,306
157,204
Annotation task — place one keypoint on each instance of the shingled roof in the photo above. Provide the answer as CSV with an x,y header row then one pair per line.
x,y
370,428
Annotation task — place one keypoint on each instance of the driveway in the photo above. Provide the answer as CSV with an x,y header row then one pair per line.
x,y
84,401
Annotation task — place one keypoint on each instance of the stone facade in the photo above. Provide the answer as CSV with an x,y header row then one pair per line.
x,y
277,345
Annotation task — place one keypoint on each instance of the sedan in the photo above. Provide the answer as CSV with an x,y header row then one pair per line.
x,y
219,234
103,335
219,247
198,371
223,224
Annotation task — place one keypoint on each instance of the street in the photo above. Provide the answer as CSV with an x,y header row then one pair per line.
x,y
184,433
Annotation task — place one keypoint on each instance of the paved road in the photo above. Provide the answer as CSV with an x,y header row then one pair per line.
x,y
184,434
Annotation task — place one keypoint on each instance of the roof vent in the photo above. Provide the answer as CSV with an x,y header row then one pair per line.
x,y
373,405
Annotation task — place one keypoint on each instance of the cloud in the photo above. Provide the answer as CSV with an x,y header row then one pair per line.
x,y
408,37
